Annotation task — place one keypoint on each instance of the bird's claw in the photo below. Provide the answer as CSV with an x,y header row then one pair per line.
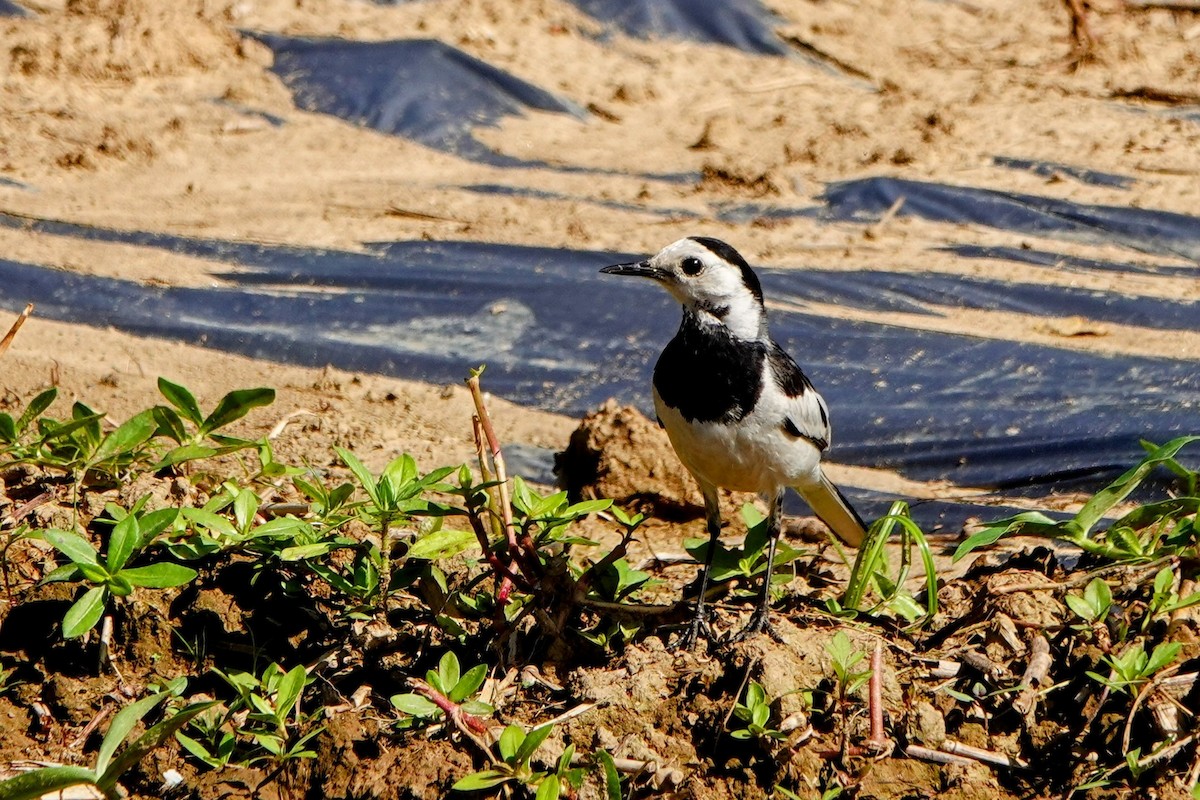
x,y
760,622
699,625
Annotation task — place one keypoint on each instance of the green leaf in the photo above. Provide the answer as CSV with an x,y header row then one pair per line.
x,y
124,539
214,522
468,684
303,551
365,478
36,783
1029,522
533,740
73,546
484,779
183,400
148,741
164,575
448,671
36,406
612,778
290,687
85,613
510,739
442,544
1163,655
122,724
1100,503
234,406
478,708
548,789
188,452
133,432
415,705
8,429
245,506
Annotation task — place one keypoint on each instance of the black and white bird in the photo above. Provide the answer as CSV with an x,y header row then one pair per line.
x,y
738,411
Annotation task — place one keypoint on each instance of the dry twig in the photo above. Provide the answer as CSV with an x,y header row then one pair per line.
x,y
16,326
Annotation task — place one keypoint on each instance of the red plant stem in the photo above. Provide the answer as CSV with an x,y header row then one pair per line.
x,y
453,710
878,736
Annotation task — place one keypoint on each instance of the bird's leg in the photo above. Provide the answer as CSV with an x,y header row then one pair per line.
x,y
712,513
760,620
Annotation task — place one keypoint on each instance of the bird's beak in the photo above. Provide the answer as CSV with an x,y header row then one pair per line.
x,y
641,269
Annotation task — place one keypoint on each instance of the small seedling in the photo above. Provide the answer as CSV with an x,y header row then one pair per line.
x,y
1094,604
195,433
112,577
453,686
845,659
1133,668
516,749
755,711
263,723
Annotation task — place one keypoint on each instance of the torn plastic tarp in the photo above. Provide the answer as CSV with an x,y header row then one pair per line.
x,y
744,24
420,89
11,9
1146,230
557,335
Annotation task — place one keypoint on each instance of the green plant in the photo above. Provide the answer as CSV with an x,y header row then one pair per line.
x,y
131,533
452,692
845,660
1147,532
516,748
1133,667
194,432
755,711
1094,604
109,765
871,569
748,561
263,723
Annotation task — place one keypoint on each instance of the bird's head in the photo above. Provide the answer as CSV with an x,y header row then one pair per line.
x,y
710,279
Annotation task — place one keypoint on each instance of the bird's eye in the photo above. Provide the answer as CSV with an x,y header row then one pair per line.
x,y
691,265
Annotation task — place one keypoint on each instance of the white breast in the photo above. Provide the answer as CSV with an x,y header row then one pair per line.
x,y
754,455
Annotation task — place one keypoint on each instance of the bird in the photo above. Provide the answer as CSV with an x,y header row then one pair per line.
x,y
738,411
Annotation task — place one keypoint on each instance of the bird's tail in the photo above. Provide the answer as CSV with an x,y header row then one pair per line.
x,y
828,503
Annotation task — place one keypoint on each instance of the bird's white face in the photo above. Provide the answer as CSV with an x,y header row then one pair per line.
x,y
709,278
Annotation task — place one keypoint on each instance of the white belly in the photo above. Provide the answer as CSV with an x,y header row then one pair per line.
x,y
753,455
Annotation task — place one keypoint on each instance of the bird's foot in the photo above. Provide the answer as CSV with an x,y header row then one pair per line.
x,y
760,622
699,625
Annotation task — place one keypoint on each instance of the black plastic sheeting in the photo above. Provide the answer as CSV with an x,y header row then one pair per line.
x,y
1051,169
742,24
420,89
1064,262
11,9
558,335
1145,230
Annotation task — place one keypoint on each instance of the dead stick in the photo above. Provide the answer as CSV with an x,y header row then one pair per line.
x,y
16,326
979,754
1035,675
90,728
936,756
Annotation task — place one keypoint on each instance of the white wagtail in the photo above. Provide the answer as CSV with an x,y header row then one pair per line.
x,y
738,411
